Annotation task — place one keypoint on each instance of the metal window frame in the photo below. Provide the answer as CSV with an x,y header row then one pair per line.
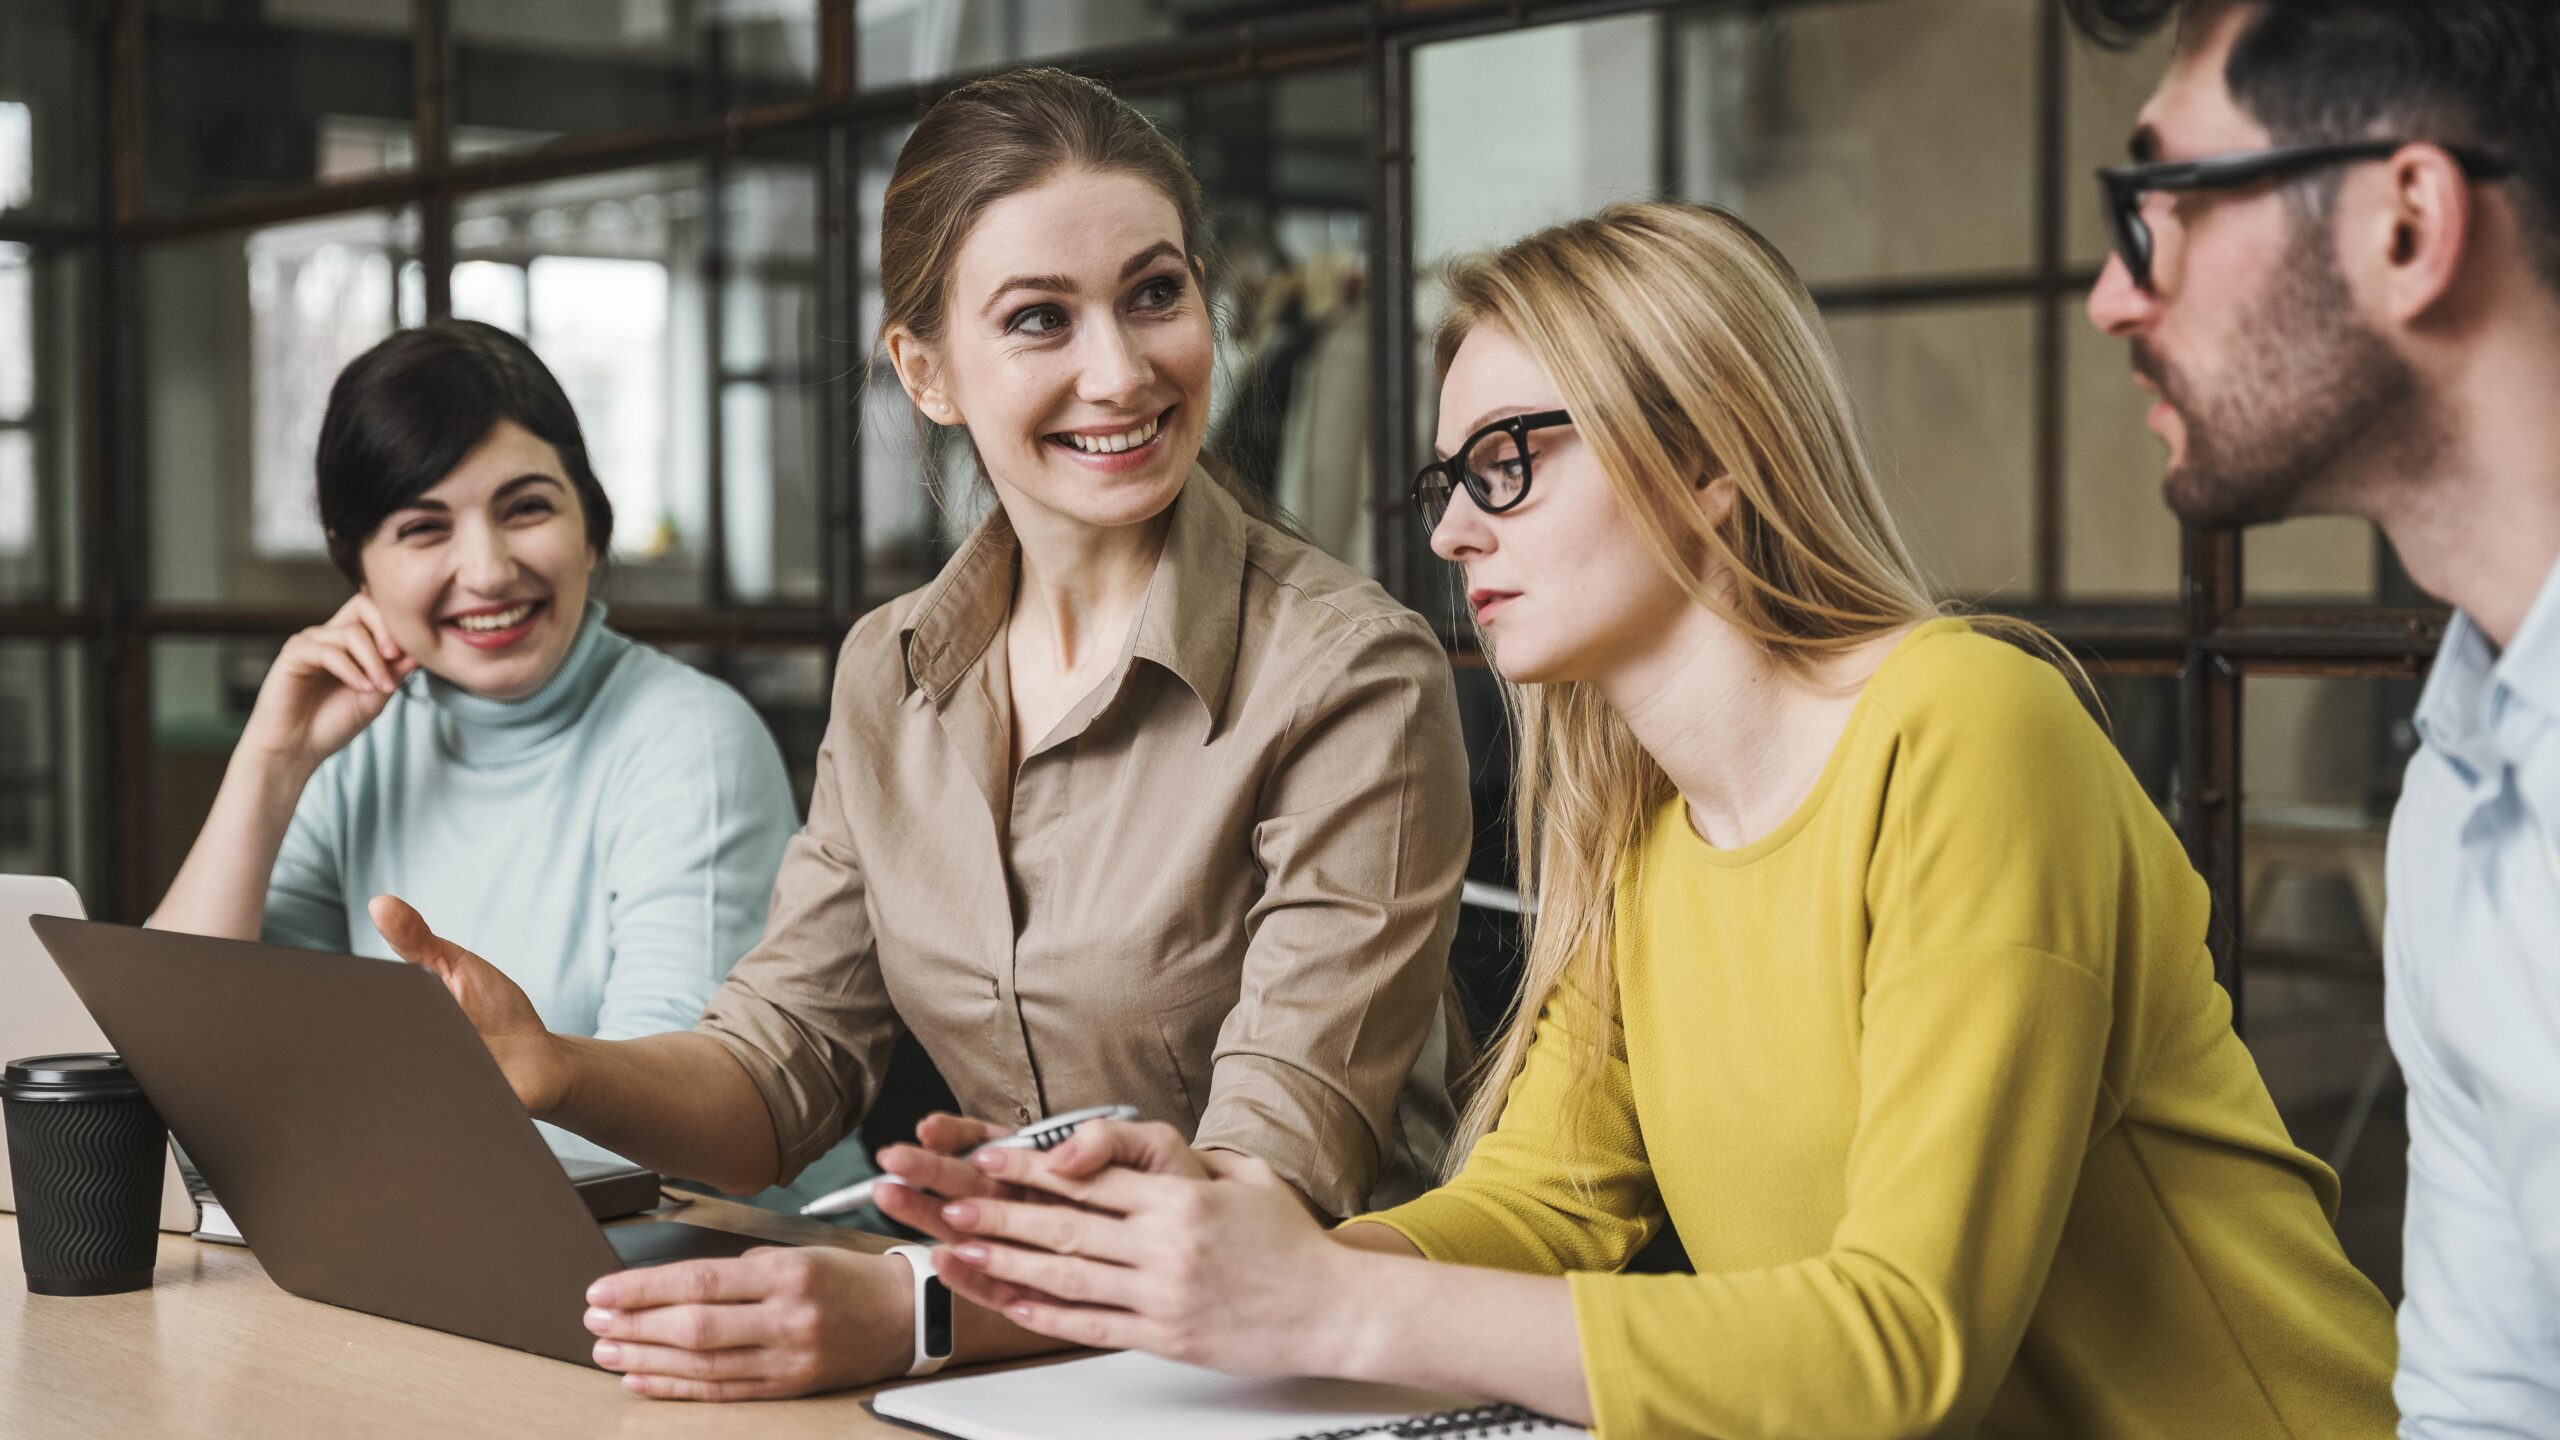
x,y
2207,637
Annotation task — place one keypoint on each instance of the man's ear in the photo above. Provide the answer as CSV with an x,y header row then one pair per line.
x,y
2425,234
913,360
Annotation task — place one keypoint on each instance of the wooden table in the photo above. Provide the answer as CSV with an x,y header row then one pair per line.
x,y
214,1349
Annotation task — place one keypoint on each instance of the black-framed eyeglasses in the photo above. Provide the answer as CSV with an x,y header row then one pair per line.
x,y
2124,186
1493,465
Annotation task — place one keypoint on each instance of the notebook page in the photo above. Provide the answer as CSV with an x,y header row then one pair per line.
x,y
1132,1396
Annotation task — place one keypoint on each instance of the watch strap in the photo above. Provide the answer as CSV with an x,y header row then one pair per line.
x,y
919,1260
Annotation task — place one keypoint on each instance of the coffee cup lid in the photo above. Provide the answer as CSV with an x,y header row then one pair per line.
x,y
88,1076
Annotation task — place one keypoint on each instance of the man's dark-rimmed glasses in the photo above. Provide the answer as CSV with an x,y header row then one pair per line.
x,y
1493,466
2124,186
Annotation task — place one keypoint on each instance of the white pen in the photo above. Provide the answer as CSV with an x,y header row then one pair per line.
x,y
1046,1134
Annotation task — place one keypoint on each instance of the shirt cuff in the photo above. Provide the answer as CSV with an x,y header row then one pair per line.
x,y
1602,1326
1455,1228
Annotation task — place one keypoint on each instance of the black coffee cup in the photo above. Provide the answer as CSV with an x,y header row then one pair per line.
x,y
85,1156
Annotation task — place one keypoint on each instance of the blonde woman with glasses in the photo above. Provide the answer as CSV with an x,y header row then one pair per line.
x,y
1859,956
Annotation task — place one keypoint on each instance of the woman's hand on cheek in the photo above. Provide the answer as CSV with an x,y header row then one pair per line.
x,y
1229,1272
327,684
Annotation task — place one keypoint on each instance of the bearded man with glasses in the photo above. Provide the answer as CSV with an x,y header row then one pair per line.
x,y
2338,267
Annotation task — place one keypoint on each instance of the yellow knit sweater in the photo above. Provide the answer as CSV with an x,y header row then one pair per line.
x,y
1937,1087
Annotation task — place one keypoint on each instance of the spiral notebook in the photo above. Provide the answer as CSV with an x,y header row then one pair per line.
x,y
1129,1396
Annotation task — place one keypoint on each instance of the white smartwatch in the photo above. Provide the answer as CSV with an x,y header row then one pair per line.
x,y
933,1310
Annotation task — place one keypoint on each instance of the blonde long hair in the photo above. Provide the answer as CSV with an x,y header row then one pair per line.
x,y
1685,346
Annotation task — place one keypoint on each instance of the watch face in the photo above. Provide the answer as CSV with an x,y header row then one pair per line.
x,y
937,1318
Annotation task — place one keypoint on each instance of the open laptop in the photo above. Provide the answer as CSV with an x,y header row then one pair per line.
x,y
359,1133
39,1015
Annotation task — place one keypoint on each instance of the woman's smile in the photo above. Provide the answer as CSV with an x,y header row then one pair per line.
x,y
1114,449
496,627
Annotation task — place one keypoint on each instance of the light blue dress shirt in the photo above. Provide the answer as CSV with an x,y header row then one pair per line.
x,y
609,841
2473,949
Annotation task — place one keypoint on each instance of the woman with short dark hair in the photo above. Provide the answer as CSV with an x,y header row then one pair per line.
x,y
601,820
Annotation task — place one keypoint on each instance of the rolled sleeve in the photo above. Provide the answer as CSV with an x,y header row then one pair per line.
x,y
1363,842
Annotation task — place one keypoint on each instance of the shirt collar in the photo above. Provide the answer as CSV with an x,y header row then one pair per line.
x,y
1188,622
1194,608
2474,691
956,617
2531,666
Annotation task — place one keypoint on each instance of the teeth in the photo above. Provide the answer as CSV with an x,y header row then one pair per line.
x,y
502,620
1114,444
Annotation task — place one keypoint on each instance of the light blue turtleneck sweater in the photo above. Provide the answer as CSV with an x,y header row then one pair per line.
x,y
609,841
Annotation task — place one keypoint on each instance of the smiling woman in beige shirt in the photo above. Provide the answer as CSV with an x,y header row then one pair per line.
x,y
1142,800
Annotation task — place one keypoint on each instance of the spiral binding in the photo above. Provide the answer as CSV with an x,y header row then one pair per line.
x,y
1480,1420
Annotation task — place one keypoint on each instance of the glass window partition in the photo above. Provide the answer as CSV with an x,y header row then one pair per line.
x,y
604,276
43,759
1887,175
1869,141
778,352
243,335
2323,759
42,440
909,42
202,689
49,60
248,98
524,74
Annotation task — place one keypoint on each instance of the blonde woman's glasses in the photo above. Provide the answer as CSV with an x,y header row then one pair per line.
x,y
1493,466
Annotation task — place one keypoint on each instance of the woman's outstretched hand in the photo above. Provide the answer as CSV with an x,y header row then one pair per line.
x,y
496,1006
1222,1266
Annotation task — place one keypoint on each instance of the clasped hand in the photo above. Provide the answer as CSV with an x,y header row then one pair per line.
x,y
1214,1260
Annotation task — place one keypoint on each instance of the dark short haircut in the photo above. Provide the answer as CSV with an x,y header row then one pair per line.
x,y
2484,73
404,413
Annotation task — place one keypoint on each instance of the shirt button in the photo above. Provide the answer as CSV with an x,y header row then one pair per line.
x,y
1021,1116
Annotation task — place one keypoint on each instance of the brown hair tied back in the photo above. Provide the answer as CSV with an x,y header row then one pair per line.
x,y
995,137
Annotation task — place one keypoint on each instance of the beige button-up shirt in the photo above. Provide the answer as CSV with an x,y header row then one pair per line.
x,y
1222,890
